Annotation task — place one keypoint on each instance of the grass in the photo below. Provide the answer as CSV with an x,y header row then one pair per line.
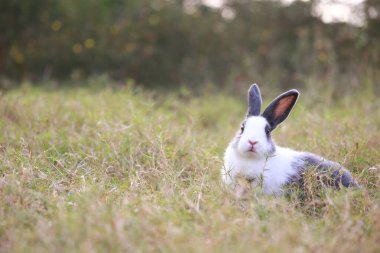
x,y
130,170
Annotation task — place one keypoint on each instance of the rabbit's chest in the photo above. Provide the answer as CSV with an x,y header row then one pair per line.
x,y
274,172
252,169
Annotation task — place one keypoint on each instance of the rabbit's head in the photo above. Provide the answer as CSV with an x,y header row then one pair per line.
x,y
254,138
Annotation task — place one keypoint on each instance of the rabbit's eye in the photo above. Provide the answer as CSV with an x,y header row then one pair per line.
x,y
242,128
267,130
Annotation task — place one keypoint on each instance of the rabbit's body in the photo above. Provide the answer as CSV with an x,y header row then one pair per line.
x,y
254,155
275,170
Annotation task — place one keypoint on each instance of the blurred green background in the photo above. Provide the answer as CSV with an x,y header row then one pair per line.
x,y
169,43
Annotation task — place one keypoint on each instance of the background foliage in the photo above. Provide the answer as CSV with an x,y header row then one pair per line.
x,y
163,43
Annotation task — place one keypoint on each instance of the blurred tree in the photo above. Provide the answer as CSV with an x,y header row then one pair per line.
x,y
19,22
163,43
372,13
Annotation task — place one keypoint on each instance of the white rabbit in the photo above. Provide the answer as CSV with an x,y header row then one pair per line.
x,y
254,155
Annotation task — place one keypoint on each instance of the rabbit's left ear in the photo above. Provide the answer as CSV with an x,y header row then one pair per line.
x,y
254,101
280,108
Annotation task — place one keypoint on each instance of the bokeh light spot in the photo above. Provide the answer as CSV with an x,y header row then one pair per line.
x,y
56,25
323,57
77,48
115,30
19,58
130,47
154,20
89,43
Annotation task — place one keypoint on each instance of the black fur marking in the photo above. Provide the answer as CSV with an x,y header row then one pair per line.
x,y
270,111
254,101
242,127
268,131
273,147
336,174
270,140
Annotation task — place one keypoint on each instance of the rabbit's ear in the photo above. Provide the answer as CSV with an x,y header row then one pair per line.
x,y
280,108
254,101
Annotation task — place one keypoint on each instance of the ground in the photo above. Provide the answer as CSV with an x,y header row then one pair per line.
x,y
131,170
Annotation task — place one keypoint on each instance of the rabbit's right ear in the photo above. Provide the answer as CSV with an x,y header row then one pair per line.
x,y
254,101
280,108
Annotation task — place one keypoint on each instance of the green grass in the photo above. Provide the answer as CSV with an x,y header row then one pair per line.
x,y
128,170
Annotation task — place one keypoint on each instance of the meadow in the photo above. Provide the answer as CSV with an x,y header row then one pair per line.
x,y
124,169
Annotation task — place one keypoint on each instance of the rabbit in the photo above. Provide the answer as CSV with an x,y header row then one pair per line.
x,y
254,155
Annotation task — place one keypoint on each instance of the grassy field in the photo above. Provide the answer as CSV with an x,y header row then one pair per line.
x,y
130,170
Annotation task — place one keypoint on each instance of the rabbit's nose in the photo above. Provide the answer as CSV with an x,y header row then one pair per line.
x,y
252,142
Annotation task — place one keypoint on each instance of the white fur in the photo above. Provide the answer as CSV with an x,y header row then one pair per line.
x,y
255,131
273,168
